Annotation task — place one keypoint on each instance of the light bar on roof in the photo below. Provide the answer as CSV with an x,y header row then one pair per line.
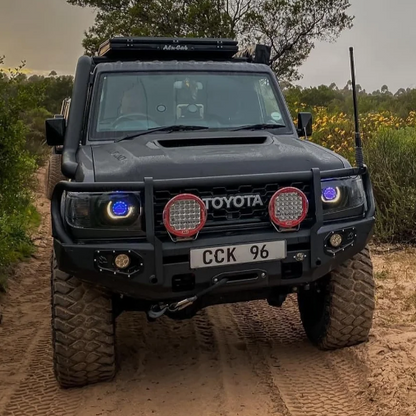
x,y
169,48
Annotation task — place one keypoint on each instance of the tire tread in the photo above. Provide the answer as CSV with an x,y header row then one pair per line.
x,y
83,331
348,306
54,174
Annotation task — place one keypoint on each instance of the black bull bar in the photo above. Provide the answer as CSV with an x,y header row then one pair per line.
x,y
313,176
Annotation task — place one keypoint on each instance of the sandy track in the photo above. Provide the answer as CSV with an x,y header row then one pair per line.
x,y
245,359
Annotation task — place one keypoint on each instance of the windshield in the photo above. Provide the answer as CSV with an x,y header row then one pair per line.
x,y
136,102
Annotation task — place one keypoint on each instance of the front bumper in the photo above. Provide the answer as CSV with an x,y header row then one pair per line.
x,y
162,263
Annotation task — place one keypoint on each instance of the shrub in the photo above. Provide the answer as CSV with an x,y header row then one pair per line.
x,y
15,243
336,131
36,145
390,156
389,143
17,166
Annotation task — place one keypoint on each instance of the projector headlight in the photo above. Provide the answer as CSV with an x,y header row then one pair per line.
x,y
343,198
117,210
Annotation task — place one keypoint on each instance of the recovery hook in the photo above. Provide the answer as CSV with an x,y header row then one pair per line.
x,y
156,311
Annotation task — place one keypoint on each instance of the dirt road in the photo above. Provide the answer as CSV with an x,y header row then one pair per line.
x,y
243,360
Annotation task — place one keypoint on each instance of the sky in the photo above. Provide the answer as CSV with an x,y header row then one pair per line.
x,y
48,35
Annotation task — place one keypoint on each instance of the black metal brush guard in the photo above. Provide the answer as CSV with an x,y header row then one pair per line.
x,y
149,185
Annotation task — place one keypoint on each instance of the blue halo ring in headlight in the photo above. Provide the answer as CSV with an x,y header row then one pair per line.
x,y
120,208
330,194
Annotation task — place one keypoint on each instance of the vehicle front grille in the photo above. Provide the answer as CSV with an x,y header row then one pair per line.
x,y
231,218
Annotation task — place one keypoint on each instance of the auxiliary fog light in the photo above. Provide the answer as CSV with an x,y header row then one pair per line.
x,y
184,215
335,240
122,261
288,207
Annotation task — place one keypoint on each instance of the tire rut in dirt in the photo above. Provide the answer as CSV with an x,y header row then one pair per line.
x,y
38,393
169,366
24,322
311,382
247,380
188,355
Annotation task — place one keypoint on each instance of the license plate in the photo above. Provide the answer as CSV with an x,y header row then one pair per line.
x,y
238,254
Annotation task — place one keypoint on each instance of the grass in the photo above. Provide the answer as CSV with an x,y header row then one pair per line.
x,y
383,275
390,157
15,242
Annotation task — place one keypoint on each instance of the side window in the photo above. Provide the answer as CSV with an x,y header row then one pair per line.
x,y
270,102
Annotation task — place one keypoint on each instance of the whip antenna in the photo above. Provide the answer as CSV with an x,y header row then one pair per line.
x,y
359,157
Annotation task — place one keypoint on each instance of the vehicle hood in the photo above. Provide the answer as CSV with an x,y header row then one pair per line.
x,y
193,154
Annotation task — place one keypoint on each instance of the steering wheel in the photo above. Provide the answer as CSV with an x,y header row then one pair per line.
x,y
132,116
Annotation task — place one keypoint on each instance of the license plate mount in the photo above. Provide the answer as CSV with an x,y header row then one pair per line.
x,y
238,254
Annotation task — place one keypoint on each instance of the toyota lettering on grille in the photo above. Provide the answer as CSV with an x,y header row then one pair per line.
x,y
235,201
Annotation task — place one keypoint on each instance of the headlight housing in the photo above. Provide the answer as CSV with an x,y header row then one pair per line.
x,y
343,198
104,211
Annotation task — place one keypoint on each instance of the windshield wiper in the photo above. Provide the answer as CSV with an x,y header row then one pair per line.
x,y
262,126
174,127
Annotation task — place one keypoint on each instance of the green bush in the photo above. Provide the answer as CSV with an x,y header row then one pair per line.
x,y
36,145
17,167
15,242
391,158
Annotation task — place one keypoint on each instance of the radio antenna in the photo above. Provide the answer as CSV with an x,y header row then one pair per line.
x,y
359,157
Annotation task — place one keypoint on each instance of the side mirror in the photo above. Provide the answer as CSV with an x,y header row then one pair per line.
x,y
304,124
55,131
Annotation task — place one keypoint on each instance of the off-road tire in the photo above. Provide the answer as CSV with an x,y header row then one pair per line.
x,y
83,331
341,314
53,174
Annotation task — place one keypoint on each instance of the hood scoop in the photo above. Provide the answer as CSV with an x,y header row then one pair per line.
x,y
211,141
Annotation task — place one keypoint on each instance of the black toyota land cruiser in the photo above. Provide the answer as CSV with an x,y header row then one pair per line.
x,y
188,185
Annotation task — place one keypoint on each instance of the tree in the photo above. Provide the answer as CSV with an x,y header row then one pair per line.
x,y
290,27
384,89
56,89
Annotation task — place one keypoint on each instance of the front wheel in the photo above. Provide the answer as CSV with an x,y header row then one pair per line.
x,y
53,174
83,331
341,313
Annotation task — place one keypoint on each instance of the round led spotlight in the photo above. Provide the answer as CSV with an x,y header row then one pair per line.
x,y
330,194
288,207
184,215
335,240
122,261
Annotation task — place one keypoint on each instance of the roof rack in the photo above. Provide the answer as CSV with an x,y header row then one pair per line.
x,y
162,48
256,54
